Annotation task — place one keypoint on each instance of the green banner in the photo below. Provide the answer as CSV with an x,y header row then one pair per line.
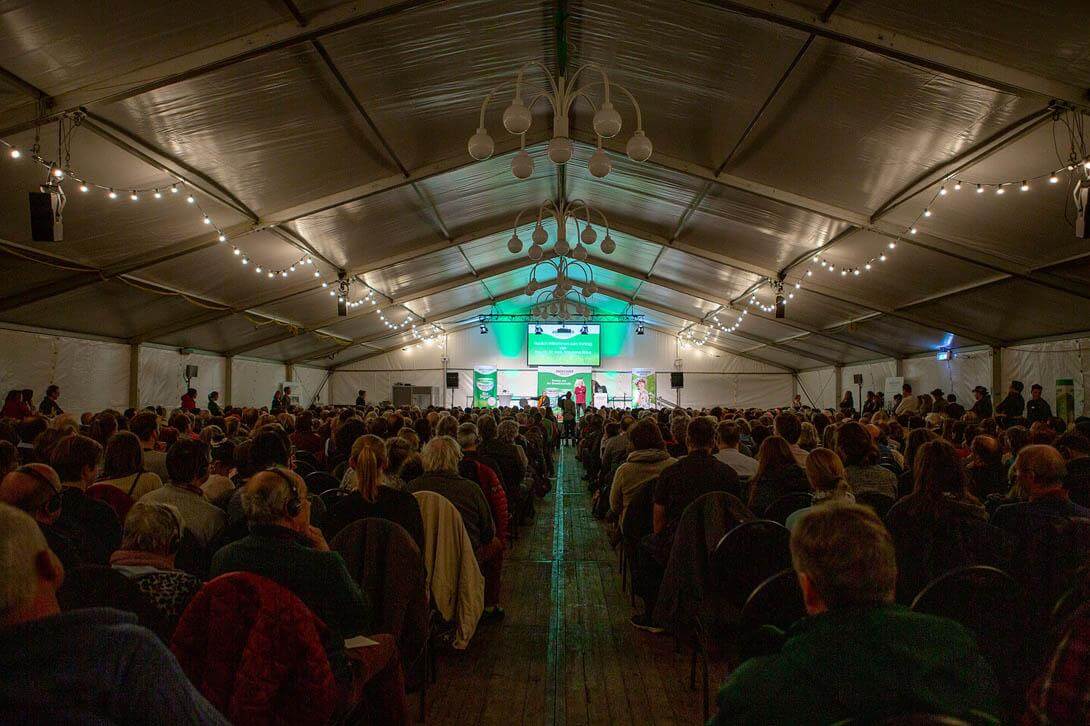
x,y
555,382
644,388
484,386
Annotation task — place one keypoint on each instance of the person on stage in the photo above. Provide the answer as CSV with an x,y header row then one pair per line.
x,y
580,397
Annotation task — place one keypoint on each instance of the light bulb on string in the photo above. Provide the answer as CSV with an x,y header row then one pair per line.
x,y
1024,187
1053,179
222,237
158,194
1000,190
238,251
112,194
190,199
84,188
134,197
979,189
173,188
957,186
15,153
942,191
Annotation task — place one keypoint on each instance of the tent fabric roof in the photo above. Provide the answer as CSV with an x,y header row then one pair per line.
x,y
337,131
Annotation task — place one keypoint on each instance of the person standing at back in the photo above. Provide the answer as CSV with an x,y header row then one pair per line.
x,y
189,400
49,406
1037,408
567,407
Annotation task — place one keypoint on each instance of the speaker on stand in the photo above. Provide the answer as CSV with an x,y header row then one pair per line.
x,y
452,384
858,380
677,382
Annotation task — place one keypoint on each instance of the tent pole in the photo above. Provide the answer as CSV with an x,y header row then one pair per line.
x,y
838,372
997,373
228,365
134,375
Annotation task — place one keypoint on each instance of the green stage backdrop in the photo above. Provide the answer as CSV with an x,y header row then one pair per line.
x,y
557,381
484,386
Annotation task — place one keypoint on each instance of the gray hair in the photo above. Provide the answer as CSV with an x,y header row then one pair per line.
x,y
467,435
508,430
20,542
266,495
152,527
441,454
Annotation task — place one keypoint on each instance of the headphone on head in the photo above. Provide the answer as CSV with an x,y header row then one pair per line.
x,y
51,502
294,504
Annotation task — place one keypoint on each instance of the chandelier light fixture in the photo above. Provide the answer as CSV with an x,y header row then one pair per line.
x,y
565,296
560,95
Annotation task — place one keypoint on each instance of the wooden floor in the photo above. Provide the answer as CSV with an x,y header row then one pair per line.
x,y
565,653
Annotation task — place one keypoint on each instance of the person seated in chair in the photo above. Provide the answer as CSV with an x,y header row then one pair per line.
x,y
286,548
1039,473
93,665
857,656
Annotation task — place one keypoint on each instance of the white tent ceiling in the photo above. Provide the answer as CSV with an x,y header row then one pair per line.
x,y
338,131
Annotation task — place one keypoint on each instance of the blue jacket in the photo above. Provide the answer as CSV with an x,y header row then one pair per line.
x,y
94,666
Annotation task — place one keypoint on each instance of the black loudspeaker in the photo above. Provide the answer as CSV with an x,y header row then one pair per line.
x,y
677,379
45,217
191,371
857,379
452,379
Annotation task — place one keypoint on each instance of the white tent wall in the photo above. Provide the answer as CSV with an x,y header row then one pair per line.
x,y
161,378
92,374
253,382
874,377
712,376
1044,363
959,375
818,387
313,386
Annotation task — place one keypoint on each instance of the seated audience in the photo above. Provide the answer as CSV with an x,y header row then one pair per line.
x,y
730,439
647,460
858,656
987,474
789,427
123,466
858,451
152,535
146,427
370,497
76,459
36,490
83,666
1075,449
440,461
218,488
1060,695
1039,473
828,481
778,473
187,464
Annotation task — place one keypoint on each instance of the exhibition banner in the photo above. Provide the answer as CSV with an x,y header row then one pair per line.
x,y
484,386
556,381
644,388
1065,399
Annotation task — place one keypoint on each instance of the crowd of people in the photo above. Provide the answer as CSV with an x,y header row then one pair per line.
x,y
216,565
207,565
869,508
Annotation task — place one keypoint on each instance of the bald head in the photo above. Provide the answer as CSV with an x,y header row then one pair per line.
x,y
32,488
29,572
1039,467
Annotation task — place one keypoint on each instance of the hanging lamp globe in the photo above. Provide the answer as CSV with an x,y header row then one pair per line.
x,y
607,122
599,164
517,117
535,252
481,145
639,146
514,245
579,253
560,150
608,245
539,235
522,165
588,236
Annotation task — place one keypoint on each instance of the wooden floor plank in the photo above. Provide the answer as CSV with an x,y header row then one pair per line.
x,y
565,653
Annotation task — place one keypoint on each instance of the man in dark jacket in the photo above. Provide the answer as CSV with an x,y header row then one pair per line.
x,y
1013,405
1037,408
284,547
505,456
857,656
983,405
92,523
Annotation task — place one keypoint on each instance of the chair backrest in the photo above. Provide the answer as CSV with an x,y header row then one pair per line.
x,y
776,601
118,500
99,586
748,555
922,719
877,501
254,650
302,455
787,505
991,605
304,468
330,497
319,482
638,516
382,557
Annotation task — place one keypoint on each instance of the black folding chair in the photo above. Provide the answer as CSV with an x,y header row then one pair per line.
x,y
877,501
777,601
787,505
990,604
320,482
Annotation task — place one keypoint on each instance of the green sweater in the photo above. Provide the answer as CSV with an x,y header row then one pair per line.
x,y
862,663
319,579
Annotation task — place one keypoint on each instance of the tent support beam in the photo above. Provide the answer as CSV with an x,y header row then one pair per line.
x,y
203,61
997,372
903,47
838,374
134,375
228,378
392,348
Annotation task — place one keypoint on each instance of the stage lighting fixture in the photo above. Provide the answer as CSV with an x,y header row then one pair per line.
x,y
538,330
639,329
484,328
584,330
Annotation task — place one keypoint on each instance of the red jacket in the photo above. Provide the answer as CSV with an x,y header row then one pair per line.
x,y
254,650
489,482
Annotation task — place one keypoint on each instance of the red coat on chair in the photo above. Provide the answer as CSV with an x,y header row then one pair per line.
x,y
254,650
